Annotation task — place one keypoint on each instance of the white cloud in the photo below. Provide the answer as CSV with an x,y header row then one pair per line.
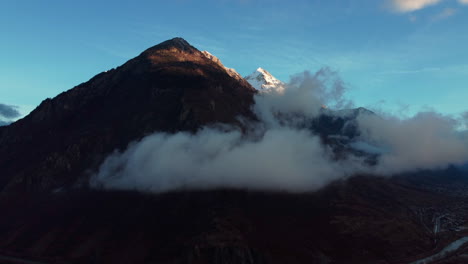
x,y
282,159
404,6
426,141
278,153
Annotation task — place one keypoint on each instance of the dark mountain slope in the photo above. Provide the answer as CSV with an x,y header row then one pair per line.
x,y
364,220
169,87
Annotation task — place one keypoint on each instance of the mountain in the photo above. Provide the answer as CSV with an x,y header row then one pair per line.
x,y
351,113
262,80
337,128
169,87
49,215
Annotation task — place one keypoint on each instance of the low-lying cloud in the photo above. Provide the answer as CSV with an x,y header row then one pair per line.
x,y
282,152
282,159
426,141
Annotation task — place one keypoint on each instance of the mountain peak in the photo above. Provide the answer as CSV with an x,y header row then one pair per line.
x,y
178,43
351,113
262,80
175,45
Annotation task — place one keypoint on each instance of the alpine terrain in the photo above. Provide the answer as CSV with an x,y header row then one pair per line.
x,y
52,213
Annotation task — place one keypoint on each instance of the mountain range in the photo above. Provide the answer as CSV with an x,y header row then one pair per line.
x,y
51,213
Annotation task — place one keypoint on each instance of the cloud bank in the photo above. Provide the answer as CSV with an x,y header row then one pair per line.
x,y
282,151
282,159
426,141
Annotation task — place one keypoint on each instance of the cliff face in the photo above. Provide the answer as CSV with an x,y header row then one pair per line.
x,y
169,87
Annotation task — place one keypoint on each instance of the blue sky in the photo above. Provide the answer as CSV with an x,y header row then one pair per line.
x,y
398,55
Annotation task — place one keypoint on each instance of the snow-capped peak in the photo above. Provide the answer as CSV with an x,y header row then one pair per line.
x,y
262,80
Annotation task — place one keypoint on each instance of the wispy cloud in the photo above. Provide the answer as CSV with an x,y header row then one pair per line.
x,y
411,71
445,13
404,6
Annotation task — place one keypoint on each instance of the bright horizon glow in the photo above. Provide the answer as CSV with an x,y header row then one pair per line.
x,y
402,62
